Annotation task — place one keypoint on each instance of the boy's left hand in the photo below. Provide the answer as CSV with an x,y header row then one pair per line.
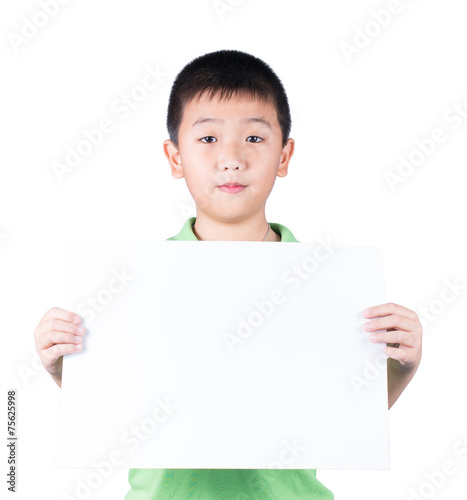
x,y
403,333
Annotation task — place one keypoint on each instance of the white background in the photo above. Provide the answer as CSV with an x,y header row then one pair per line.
x,y
351,122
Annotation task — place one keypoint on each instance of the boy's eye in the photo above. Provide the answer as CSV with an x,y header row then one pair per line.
x,y
254,137
207,137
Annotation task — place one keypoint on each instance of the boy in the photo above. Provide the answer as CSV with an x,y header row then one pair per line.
x,y
229,123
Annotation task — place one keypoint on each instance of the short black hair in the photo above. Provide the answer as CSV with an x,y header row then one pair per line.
x,y
227,73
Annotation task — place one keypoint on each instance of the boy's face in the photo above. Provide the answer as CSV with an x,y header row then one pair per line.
x,y
229,145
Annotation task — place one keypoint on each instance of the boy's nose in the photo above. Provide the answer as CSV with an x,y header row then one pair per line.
x,y
231,157
232,165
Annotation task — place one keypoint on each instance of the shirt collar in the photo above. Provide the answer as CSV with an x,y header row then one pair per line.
x,y
187,234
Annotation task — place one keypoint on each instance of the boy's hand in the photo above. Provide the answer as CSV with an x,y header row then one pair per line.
x,y
403,333
58,333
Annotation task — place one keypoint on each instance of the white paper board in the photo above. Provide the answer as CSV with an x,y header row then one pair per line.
x,y
216,354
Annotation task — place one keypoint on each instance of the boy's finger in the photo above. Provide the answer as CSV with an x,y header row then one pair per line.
x,y
63,314
388,322
54,352
50,338
389,308
395,337
57,325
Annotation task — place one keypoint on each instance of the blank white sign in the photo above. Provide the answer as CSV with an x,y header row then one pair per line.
x,y
221,354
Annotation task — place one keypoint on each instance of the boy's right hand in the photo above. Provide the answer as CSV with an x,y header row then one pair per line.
x,y
58,333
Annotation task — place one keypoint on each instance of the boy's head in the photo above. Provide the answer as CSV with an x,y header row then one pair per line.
x,y
228,121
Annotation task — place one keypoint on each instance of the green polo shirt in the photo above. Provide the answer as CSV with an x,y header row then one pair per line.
x,y
226,484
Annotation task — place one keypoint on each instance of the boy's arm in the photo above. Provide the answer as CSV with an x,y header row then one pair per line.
x,y
403,336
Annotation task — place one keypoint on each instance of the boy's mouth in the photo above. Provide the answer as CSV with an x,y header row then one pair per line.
x,y
232,187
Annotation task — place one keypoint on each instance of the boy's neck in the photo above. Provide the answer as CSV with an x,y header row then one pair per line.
x,y
254,229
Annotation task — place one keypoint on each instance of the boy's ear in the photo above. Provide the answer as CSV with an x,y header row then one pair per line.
x,y
173,155
286,155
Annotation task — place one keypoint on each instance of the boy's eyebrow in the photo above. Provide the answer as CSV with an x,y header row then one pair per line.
x,y
253,119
